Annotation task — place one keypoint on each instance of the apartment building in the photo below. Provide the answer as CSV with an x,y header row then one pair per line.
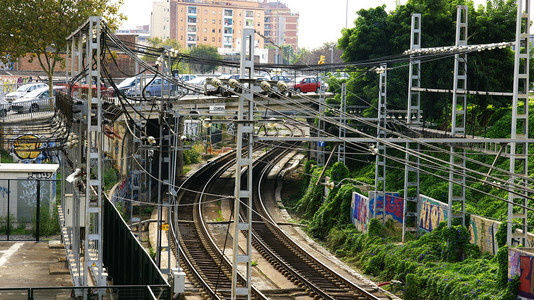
x,y
160,20
281,25
215,23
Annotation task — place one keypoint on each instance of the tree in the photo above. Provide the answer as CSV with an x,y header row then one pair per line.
x,y
379,34
39,28
160,43
204,52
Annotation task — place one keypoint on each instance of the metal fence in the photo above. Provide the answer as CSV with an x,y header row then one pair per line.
x,y
109,292
26,110
27,209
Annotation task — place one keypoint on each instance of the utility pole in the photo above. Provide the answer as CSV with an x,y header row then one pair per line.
x,y
380,151
413,119
343,120
520,111
244,159
458,122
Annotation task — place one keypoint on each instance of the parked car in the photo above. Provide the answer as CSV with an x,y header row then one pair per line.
x,y
4,107
153,88
125,85
187,77
281,77
307,84
23,90
34,101
199,82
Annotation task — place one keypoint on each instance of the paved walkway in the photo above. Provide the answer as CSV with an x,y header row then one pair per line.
x,y
32,264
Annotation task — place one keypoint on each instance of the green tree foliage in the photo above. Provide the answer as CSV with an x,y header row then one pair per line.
x,y
378,33
204,52
160,43
40,27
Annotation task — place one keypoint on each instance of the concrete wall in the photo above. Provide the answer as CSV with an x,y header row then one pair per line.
x,y
521,262
430,213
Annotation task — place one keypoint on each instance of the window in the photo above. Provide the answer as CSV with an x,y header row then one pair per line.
x,y
205,39
213,30
213,21
213,12
205,29
213,39
205,21
249,14
181,38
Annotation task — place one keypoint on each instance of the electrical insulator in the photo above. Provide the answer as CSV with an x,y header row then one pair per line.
x,y
216,82
265,86
282,85
233,83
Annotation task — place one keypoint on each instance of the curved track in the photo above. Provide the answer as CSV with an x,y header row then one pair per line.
x,y
289,258
199,256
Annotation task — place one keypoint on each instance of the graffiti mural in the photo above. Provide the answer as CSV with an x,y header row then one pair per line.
x,y
431,213
394,206
522,263
360,212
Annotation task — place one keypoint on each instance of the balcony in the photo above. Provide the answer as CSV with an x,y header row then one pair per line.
x,y
228,13
191,10
191,29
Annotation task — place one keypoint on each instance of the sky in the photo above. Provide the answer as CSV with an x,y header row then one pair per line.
x,y
320,21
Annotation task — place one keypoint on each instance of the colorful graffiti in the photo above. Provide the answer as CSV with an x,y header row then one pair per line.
x,y
360,212
431,213
522,264
394,206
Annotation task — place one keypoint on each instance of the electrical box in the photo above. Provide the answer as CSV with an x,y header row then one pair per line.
x,y
69,210
179,280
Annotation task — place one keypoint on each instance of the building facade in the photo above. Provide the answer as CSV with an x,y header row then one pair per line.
x,y
160,20
215,23
281,25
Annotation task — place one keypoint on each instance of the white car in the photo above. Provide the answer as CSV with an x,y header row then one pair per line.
x,y
23,90
34,101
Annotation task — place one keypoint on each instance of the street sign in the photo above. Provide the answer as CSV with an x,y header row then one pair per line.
x,y
164,227
321,143
217,109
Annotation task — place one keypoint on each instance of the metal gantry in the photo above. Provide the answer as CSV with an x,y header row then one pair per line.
x,y
458,122
413,119
519,150
380,151
244,158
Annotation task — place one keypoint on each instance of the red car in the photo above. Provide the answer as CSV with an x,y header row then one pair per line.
x,y
308,84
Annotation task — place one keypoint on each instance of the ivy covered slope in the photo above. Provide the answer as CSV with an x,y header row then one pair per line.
x,y
428,267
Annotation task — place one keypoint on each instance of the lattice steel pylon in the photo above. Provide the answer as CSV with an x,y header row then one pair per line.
x,y
341,154
519,151
380,151
94,167
458,122
413,119
243,192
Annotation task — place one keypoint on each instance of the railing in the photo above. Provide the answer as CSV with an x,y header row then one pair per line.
x,y
117,292
31,109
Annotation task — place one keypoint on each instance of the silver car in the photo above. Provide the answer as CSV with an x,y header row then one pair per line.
x,y
34,101
23,90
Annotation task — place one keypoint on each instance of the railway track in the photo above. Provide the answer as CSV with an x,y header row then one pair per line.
x,y
299,266
209,269
203,263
